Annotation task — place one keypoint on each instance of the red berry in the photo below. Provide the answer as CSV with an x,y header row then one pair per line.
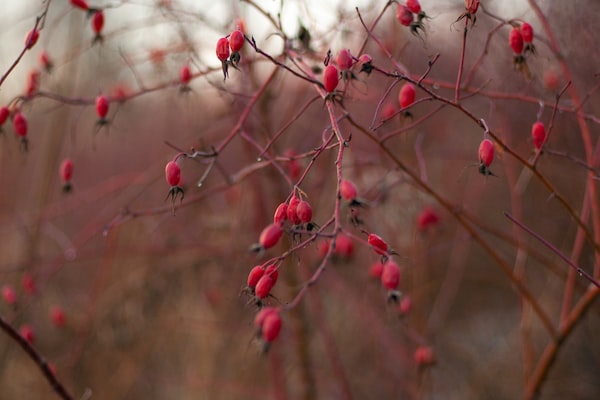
x,y
348,190
255,274
407,95
101,106
273,272
45,61
28,284
330,78
424,356
260,317
223,49
527,32
98,22
291,210
263,286
538,134
280,214
390,276
173,173
4,113
323,248
344,246
33,81
414,6
471,6
404,16
486,152
270,236
515,40
236,41
376,269
27,333
378,244
82,4
66,170
427,217
20,125
9,295
304,212
185,75
344,59
551,79
32,38
271,327
57,315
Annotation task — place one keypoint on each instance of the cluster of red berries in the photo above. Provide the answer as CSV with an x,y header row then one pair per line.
x,y
261,280
233,42
268,324
405,13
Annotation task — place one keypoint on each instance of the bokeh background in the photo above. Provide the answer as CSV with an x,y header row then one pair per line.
x,y
153,300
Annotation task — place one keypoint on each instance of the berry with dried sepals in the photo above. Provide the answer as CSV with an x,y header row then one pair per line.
x,y
292,216
271,327
366,63
185,75
46,61
20,128
236,41
254,276
348,190
66,174
97,25
344,59
527,33
515,40
173,177
378,244
222,52
263,287
486,156
404,15
330,78
390,279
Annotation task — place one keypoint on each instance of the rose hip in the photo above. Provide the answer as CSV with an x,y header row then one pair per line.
x,y
407,95
378,244
330,78
390,275
270,236
538,134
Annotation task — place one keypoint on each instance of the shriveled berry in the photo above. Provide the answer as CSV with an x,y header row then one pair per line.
x,y
270,236
280,214
414,6
538,134
527,32
348,190
102,106
390,276
271,327
263,287
515,40
407,95
376,269
20,125
236,41
330,78
223,49
344,59
304,211
173,173
255,274
273,272
378,244
486,152
98,22
404,16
